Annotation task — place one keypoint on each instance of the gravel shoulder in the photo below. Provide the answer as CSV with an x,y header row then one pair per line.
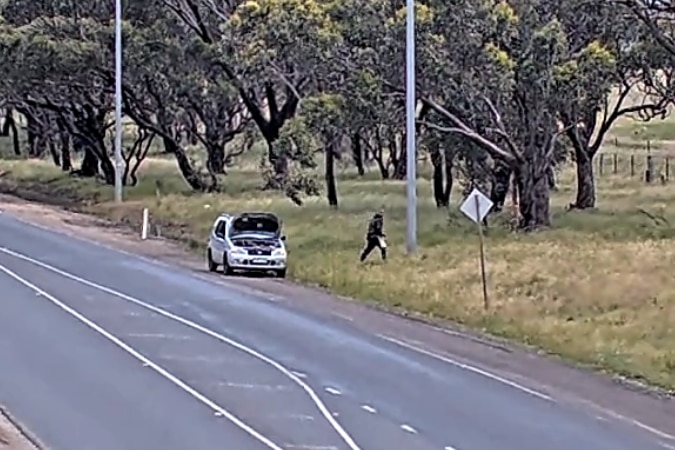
x,y
11,438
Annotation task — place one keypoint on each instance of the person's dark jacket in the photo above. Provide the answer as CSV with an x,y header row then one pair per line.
x,y
375,227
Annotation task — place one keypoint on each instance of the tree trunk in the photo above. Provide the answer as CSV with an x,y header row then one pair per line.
x,y
501,176
585,180
66,163
357,151
279,162
215,162
331,188
106,165
33,140
56,157
401,161
9,127
89,167
449,163
191,177
438,178
534,198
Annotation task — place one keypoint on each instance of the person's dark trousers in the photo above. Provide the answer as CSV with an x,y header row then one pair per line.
x,y
371,244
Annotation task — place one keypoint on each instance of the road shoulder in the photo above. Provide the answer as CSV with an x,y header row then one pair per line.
x,y
11,437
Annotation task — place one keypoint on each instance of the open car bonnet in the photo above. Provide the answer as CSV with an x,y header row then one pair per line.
x,y
264,224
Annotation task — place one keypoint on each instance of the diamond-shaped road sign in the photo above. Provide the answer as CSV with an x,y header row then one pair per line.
x,y
477,214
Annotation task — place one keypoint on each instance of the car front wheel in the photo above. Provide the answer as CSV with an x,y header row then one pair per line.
x,y
227,270
212,266
281,273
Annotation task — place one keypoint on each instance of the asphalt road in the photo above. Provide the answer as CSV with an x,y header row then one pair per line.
x,y
101,349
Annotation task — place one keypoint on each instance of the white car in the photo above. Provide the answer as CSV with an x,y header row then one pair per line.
x,y
250,242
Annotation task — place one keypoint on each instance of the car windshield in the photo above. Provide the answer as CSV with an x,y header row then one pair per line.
x,y
265,226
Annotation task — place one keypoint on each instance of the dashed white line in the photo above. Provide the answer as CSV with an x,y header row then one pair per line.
x,y
175,337
369,409
332,391
408,429
299,374
310,447
258,387
617,416
668,446
232,343
160,370
342,316
468,368
449,448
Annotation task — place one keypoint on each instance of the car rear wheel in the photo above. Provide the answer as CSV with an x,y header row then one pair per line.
x,y
281,273
212,266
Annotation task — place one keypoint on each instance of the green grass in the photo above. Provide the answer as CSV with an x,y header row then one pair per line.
x,y
598,288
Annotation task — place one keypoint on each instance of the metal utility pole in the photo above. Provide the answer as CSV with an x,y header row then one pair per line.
x,y
119,164
411,153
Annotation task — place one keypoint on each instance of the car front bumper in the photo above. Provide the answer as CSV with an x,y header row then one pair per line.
x,y
248,262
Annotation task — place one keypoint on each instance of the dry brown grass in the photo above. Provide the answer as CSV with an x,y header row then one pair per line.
x,y
598,288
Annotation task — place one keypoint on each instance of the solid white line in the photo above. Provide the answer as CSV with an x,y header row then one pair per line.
x,y
146,362
468,368
232,343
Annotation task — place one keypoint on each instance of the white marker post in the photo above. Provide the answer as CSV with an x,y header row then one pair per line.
x,y
145,224
476,206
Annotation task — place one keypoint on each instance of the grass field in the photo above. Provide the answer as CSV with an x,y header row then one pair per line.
x,y
598,288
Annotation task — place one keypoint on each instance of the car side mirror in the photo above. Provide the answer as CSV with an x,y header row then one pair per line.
x,y
283,238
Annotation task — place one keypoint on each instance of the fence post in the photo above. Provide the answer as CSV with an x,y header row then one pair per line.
x,y
632,165
615,163
667,168
601,163
649,170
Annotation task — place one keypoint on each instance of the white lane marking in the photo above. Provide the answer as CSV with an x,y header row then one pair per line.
x,y
468,368
175,337
232,343
298,374
450,448
408,429
333,391
310,447
299,417
342,316
368,408
160,370
668,446
259,387
636,423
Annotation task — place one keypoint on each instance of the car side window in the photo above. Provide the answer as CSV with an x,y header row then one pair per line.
x,y
220,229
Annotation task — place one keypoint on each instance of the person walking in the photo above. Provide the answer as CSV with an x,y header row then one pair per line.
x,y
375,237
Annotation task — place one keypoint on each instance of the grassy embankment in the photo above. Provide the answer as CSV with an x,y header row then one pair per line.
x,y
598,288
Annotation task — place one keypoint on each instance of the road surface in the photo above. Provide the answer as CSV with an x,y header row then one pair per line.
x,y
101,349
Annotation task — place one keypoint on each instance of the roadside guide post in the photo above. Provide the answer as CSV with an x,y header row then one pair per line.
x,y
476,206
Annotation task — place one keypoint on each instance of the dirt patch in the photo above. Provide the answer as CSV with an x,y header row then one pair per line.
x,y
11,438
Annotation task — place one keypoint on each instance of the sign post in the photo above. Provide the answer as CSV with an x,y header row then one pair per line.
x,y
476,206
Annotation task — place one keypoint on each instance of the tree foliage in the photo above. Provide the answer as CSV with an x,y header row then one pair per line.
x,y
507,89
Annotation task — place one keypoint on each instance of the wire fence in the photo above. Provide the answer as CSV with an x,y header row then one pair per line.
x,y
647,166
